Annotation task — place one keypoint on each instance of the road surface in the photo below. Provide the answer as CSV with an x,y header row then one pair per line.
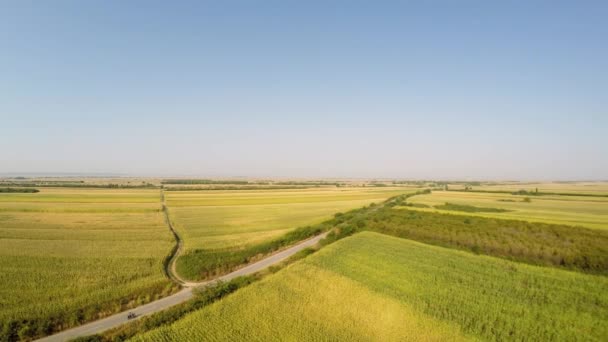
x,y
185,294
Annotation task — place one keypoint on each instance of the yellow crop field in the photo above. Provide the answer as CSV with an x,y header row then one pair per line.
x,y
590,188
591,212
215,225
70,255
375,287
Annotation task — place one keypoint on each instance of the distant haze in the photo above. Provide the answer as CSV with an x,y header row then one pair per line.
x,y
427,90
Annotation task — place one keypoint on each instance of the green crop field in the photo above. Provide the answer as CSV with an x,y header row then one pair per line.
x,y
460,265
215,224
568,247
583,211
375,287
71,255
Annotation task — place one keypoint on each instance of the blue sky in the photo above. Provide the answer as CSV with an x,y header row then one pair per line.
x,y
435,89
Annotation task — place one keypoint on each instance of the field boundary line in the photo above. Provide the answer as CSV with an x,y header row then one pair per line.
x,y
169,268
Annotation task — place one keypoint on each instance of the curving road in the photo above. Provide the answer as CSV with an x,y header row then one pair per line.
x,y
185,294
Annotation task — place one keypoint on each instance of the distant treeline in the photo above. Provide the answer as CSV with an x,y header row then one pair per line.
x,y
38,181
421,183
202,181
433,182
311,183
19,190
119,186
212,188
242,182
531,193
80,185
42,183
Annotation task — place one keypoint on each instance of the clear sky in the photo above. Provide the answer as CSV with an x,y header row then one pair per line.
x,y
434,89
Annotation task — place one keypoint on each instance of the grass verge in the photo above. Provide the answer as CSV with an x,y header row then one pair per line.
x,y
202,298
372,286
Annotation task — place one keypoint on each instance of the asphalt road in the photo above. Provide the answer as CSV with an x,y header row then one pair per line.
x,y
185,294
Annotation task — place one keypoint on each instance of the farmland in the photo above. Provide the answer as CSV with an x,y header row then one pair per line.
x,y
315,171
223,229
375,287
587,188
583,211
74,254
68,255
562,246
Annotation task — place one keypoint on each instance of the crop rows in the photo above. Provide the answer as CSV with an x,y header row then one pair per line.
x,y
375,287
72,255
224,229
591,212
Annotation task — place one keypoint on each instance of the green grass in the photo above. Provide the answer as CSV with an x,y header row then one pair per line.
x,y
224,229
575,248
464,208
72,255
375,287
589,212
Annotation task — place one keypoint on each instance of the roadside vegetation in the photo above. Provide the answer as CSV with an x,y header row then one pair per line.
x,y
68,256
372,286
234,187
211,263
202,297
224,230
465,265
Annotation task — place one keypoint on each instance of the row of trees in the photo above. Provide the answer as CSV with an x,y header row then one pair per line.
x,y
18,190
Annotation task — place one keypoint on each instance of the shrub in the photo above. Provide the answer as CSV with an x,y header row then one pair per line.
x,y
469,208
